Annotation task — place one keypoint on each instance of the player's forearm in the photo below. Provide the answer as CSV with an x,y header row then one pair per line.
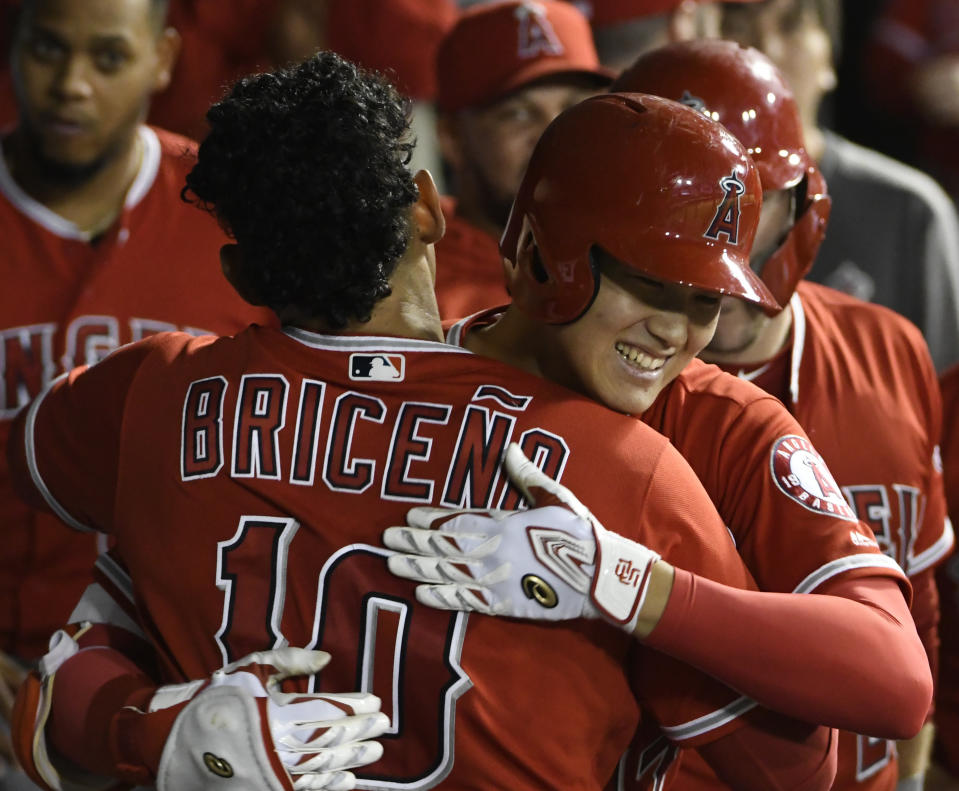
x,y
97,720
808,646
79,717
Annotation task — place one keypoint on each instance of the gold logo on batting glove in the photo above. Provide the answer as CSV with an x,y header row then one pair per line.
x,y
540,590
219,766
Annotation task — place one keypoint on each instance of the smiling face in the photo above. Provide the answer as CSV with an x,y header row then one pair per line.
x,y
637,336
84,74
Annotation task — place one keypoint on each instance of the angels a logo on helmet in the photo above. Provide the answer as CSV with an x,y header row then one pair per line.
x,y
726,219
801,474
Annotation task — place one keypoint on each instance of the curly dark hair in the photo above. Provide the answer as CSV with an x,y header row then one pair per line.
x,y
306,168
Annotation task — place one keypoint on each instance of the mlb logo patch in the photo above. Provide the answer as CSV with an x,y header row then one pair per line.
x,y
377,367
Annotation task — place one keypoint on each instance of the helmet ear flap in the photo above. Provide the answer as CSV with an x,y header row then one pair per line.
x,y
783,270
547,290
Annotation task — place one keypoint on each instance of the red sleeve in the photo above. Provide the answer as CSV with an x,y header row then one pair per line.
x,y
774,753
97,720
796,639
67,465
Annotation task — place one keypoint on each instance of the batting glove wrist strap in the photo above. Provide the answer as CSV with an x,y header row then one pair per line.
x,y
622,578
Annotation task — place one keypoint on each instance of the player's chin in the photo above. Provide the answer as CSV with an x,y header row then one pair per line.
x,y
632,391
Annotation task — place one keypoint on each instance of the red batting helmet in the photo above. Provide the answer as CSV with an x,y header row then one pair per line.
x,y
742,89
651,182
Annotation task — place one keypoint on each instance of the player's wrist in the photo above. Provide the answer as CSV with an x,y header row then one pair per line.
x,y
662,575
137,740
622,579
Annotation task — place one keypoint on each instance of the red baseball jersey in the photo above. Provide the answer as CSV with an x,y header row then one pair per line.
x,y
787,514
247,482
469,269
862,385
69,300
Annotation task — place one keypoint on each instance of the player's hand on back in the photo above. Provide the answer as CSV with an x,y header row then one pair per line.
x,y
553,562
239,727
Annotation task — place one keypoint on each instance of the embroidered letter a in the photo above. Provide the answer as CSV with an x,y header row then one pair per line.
x,y
726,218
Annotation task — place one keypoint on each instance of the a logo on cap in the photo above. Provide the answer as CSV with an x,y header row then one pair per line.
x,y
377,367
536,34
726,218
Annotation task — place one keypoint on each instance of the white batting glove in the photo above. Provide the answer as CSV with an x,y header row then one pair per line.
x,y
552,562
241,733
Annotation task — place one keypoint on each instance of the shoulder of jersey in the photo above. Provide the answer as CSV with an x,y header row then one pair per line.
x,y
858,318
170,345
700,379
176,147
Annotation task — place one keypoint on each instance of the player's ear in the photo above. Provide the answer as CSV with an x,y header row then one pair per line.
x,y
231,262
427,213
167,49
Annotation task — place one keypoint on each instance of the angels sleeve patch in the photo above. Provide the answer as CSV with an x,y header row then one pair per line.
x,y
801,474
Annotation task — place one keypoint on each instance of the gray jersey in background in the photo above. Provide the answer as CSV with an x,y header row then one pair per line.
x,y
892,239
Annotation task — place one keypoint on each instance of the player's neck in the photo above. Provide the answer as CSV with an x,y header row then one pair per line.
x,y
93,203
410,311
510,339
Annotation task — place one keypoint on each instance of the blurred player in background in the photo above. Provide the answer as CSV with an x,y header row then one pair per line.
x,y
623,29
912,70
223,41
98,250
893,235
220,463
504,71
